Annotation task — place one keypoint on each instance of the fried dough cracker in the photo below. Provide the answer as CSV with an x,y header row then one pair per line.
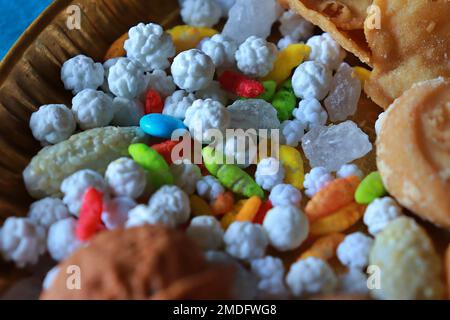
x,y
411,45
413,150
353,40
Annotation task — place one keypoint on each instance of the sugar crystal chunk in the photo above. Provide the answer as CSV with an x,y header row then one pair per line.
x,y
333,146
345,92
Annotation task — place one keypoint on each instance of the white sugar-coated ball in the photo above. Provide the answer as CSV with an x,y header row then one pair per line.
x,y
61,239
200,13
206,232
286,226
47,211
245,240
127,79
255,57
52,123
311,80
127,112
150,46
177,104
81,72
192,70
92,109
221,49
126,178
326,50
311,113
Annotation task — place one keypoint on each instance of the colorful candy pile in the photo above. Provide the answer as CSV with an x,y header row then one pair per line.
x,y
110,162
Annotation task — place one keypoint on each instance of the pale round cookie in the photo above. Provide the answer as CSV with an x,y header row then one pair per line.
x,y
413,150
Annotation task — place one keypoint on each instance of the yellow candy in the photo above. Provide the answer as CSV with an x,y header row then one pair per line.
x,y
188,37
362,73
249,209
293,166
230,217
199,207
287,59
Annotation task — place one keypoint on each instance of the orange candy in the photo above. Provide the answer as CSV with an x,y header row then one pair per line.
x,y
116,50
339,221
249,209
199,207
325,247
223,204
334,196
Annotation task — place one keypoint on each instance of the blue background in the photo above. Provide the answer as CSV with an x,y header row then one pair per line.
x,y
15,17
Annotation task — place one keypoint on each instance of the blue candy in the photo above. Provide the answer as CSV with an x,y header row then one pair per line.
x,y
160,125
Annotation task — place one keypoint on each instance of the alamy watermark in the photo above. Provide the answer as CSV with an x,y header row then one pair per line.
x,y
73,21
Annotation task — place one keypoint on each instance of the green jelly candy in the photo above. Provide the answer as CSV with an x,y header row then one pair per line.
x,y
287,85
211,160
158,171
284,102
269,90
370,189
239,181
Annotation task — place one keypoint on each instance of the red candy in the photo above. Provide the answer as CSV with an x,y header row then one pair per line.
x,y
165,149
90,221
240,85
265,207
153,102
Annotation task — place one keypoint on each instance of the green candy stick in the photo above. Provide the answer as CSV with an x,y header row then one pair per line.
x,y
158,171
270,87
230,175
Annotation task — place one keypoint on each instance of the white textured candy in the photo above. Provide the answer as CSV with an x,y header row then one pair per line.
x,y
269,173
192,70
52,123
22,241
354,251
200,13
270,274
106,66
316,179
61,240
204,116
311,276
348,170
345,92
127,79
286,226
206,232
74,186
50,277
92,109
173,201
292,132
255,57
225,6
326,51
380,212
149,45
285,195
159,80
295,26
221,50
125,177
81,72
311,80
127,113
253,114
177,104
245,240
146,215
115,212
47,211
186,176
311,113
209,188
213,91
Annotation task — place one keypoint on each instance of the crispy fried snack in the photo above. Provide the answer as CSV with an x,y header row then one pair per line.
x,y
411,45
343,19
413,150
150,262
